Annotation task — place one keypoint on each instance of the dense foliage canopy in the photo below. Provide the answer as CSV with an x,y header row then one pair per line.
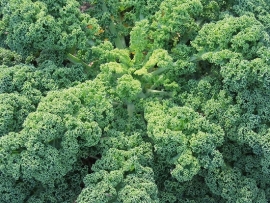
x,y
134,101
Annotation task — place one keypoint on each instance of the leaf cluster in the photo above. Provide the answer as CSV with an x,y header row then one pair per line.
x,y
134,101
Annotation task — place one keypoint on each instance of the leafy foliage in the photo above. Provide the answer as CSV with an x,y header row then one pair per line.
x,y
134,101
